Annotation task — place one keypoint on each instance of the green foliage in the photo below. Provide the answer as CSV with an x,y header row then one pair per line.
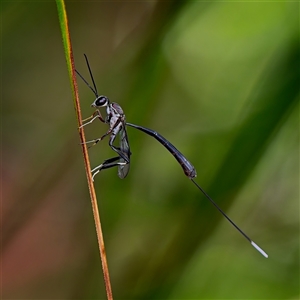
x,y
220,80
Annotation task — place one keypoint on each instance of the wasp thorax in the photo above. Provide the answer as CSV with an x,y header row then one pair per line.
x,y
101,101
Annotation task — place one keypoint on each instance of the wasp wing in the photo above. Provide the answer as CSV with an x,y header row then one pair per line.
x,y
124,146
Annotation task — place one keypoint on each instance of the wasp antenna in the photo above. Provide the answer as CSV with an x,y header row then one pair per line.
x,y
91,74
95,92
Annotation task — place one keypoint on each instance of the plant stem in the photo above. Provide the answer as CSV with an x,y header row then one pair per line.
x,y
72,74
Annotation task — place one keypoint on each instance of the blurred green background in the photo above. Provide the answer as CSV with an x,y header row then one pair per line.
x,y
220,80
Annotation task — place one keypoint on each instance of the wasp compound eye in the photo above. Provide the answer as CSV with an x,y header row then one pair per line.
x,y
101,101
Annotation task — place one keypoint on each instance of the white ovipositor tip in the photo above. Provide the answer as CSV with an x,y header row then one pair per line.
x,y
259,249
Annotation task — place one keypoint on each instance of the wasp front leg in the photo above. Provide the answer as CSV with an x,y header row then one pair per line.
x,y
93,117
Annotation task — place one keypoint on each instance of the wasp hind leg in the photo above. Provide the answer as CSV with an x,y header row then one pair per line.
x,y
108,163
